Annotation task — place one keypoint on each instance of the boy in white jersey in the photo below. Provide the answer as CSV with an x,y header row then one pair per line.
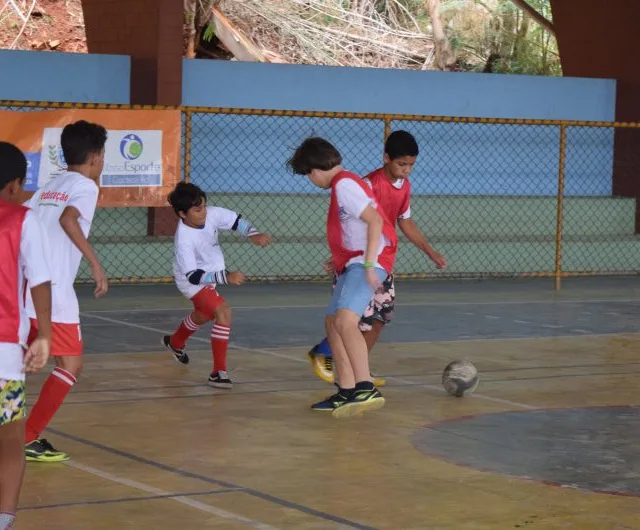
x,y
66,206
24,256
199,266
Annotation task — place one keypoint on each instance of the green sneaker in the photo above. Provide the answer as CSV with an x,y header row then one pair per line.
x,y
361,402
42,451
331,403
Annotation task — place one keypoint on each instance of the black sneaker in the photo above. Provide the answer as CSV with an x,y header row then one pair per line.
x,y
362,401
331,403
42,451
178,355
220,380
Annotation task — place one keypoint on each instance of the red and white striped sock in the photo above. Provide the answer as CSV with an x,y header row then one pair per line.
x,y
219,346
53,393
187,328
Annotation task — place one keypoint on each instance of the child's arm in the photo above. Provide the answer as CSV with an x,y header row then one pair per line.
x,y
230,220
71,226
413,233
224,277
244,227
374,233
35,264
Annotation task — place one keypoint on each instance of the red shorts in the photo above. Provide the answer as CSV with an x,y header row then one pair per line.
x,y
207,301
66,339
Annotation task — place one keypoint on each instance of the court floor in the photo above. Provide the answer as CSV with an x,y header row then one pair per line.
x,y
549,439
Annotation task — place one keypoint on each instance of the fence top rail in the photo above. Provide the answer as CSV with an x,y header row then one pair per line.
x,y
320,114
96,106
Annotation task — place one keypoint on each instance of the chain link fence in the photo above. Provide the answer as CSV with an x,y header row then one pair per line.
x,y
499,198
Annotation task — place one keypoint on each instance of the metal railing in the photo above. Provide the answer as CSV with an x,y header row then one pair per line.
x,y
498,197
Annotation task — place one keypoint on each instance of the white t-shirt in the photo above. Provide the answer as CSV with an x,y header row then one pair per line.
x,y
352,201
69,189
198,248
34,266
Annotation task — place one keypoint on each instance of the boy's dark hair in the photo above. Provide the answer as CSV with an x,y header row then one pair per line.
x,y
314,153
81,139
186,195
13,164
401,143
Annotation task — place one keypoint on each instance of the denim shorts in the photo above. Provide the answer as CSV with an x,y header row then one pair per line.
x,y
353,291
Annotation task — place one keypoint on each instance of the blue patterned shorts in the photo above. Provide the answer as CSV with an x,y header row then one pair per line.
x,y
12,401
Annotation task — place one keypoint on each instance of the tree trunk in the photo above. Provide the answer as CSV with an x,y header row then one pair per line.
x,y
444,56
520,45
190,9
538,17
508,29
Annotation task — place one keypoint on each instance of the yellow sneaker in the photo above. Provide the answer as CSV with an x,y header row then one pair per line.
x,y
42,451
378,381
322,366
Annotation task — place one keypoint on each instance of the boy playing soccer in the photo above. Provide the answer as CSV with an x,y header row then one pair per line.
x,y
24,257
65,207
392,189
198,266
363,249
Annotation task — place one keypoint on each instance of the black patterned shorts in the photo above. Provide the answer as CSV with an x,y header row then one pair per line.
x,y
381,305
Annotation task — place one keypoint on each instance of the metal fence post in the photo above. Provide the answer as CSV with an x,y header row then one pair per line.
x,y
187,146
560,205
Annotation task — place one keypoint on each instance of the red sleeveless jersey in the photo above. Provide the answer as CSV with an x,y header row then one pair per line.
x,y
12,218
339,253
391,200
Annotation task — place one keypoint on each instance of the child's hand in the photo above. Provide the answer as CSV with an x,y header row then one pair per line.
x,y
261,240
36,356
372,278
439,260
328,266
235,278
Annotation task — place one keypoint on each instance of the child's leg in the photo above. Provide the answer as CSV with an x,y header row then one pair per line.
x,y
66,350
220,337
187,327
351,304
209,303
378,313
12,462
177,342
344,375
344,372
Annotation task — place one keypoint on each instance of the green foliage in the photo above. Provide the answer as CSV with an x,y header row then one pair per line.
x,y
496,36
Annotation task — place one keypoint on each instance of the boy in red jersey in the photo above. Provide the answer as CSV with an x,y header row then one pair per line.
x,y
363,250
392,189
24,257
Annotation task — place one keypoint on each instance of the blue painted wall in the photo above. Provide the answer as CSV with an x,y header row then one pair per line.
x,y
247,153
307,87
53,76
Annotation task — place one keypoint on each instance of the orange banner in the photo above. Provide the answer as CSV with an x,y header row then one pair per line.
x,y
142,155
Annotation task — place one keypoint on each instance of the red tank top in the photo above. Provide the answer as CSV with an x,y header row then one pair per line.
x,y
339,253
11,221
393,201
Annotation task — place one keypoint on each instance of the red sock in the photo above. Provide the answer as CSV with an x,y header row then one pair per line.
x,y
219,346
187,328
53,393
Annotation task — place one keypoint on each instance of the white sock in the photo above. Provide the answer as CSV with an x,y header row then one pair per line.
x,y
6,521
